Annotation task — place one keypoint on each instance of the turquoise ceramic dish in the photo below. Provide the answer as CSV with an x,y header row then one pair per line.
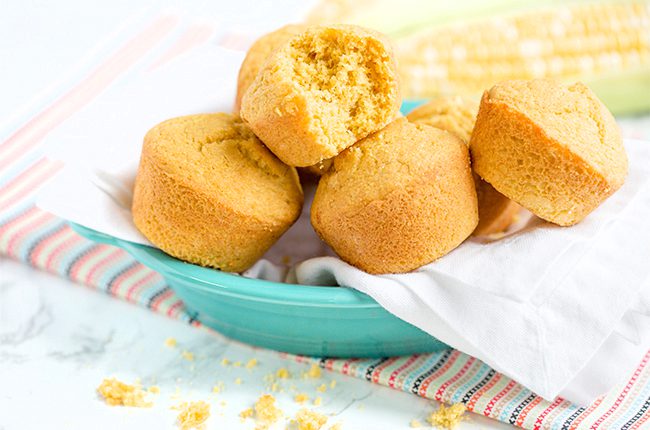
x,y
300,319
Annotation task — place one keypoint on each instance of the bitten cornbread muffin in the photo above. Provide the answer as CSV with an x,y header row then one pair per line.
x,y
259,52
554,149
210,193
398,199
457,115
321,92
255,57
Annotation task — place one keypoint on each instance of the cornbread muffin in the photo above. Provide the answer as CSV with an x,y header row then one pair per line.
x,y
454,113
457,115
398,199
258,53
496,212
554,149
321,92
209,192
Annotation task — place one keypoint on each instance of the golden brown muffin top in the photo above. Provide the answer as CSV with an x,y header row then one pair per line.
x,y
218,155
572,116
387,160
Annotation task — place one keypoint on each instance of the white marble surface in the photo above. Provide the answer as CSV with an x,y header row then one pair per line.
x,y
59,340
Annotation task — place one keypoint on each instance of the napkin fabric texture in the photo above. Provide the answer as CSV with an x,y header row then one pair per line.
x,y
41,239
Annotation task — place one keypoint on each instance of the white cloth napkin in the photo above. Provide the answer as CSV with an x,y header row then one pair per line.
x,y
550,307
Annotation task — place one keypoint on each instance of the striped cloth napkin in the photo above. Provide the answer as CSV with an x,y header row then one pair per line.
x,y
43,241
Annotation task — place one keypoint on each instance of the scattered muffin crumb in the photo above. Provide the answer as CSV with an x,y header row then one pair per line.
x,y
318,401
170,342
238,381
314,372
225,362
154,389
116,393
237,364
192,415
301,398
321,388
309,420
218,387
251,363
336,426
415,424
246,413
333,383
447,417
187,355
283,373
266,413
275,387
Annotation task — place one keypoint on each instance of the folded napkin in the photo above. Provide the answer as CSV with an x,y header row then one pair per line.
x,y
541,305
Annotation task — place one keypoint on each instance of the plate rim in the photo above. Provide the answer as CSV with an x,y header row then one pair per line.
x,y
214,281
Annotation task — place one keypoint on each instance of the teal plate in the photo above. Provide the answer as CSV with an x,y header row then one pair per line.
x,y
300,319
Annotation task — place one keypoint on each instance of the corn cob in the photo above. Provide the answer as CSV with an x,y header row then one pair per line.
x,y
605,44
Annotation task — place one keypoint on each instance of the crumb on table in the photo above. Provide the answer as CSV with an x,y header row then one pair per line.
x,y
266,412
246,413
309,420
218,387
192,415
447,417
283,373
314,372
301,398
117,393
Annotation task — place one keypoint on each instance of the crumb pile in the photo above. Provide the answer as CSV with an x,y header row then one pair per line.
x,y
447,417
117,393
309,420
192,415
